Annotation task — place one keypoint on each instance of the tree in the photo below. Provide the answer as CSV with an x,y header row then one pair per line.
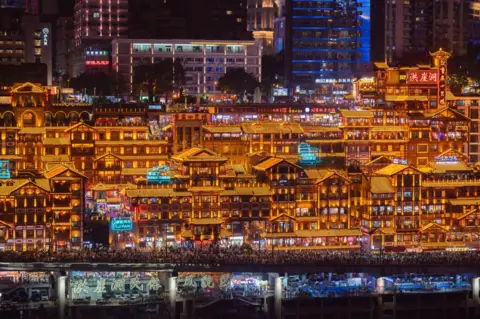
x,y
272,72
100,83
238,81
159,78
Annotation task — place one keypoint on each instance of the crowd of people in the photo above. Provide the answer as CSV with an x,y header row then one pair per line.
x,y
239,255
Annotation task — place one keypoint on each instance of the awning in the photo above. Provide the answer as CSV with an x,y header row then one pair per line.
x,y
386,231
450,96
222,129
465,202
134,171
187,233
422,98
395,98
32,130
206,221
389,129
279,235
114,200
357,114
225,233
381,185
433,225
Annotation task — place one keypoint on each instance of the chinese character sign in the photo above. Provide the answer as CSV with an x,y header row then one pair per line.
x,y
442,87
101,286
80,286
422,77
118,285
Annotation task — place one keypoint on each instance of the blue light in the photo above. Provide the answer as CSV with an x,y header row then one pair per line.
x,y
159,175
308,155
4,169
121,224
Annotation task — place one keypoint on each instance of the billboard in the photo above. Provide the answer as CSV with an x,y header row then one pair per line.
x,y
308,155
159,175
422,77
4,169
121,224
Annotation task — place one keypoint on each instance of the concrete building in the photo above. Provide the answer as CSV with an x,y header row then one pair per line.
x,y
419,26
204,61
64,43
25,39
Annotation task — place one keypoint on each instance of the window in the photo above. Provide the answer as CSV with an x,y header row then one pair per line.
x,y
422,148
96,15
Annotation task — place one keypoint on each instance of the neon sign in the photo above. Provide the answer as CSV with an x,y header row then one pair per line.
x,y
45,32
159,175
97,62
442,87
4,169
119,225
308,155
422,77
446,159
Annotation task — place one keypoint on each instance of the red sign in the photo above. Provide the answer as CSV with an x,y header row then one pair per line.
x,y
97,62
422,77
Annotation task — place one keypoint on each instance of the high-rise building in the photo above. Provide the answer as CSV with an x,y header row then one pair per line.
x,y
18,4
25,39
279,27
475,21
157,19
327,44
63,45
100,19
260,21
414,27
96,23
217,19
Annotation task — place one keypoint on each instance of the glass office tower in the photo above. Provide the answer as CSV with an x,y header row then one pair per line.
x,y
328,44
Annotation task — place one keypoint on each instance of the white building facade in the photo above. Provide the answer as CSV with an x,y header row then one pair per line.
x,y
204,61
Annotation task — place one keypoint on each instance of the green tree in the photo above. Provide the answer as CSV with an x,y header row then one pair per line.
x,y
272,72
100,83
238,81
158,78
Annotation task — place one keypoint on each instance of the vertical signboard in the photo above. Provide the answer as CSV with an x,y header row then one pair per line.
x,y
442,87
440,61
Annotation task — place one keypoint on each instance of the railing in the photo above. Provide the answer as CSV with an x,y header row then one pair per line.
x,y
471,182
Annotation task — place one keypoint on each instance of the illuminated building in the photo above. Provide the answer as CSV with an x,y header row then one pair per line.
x,y
415,26
260,19
326,43
96,23
204,61
390,175
25,39
410,116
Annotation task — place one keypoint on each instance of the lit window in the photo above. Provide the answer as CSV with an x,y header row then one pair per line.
x,y
229,12
96,15
239,20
